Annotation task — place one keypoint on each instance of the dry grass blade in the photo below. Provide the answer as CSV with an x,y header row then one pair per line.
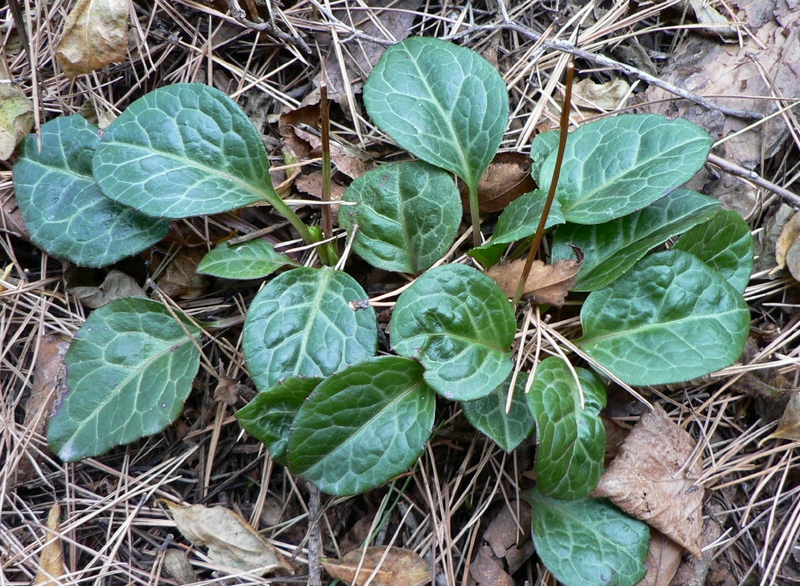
x,y
270,59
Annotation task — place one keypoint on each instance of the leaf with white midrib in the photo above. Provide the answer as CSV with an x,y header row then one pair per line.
x,y
671,318
302,323
129,369
463,343
183,150
407,215
443,103
362,426
65,211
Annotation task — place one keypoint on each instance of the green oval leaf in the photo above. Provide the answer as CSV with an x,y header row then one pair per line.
x,y
612,248
543,144
66,213
460,325
725,244
519,220
307,322
269,416
129,370
183,150
570,436
618,165
362,426
588,542
671,318
407,215
250,260
488,414
444,103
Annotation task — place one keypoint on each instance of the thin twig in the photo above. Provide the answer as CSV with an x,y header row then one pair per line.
x,y
755,178
241,17
314,537
604,61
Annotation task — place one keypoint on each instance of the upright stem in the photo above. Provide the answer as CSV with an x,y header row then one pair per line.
x,y
288,213
475,214
562,143
327,221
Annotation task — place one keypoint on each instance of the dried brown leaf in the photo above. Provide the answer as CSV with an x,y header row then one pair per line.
x,y
547,284
789,426
767,239
16,118
787,247
11,219
49,379
400,567
393,24
509,536
663,560
647,480
49,383
763,65
176,562
116,285
600,96
230,540
180,279
95,35
714,21
226,391
51,562
507,178
487,570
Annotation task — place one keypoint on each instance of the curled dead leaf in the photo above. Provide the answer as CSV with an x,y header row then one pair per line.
x,y
507,178
49,382
180,279
177,563
600,96
230,540
789,426
116,285
508,546
548,284
51,562
16,118
391,566
95,35
647,480
787,247
663,560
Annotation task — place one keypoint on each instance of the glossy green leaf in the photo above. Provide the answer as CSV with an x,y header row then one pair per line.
x,y
64,210
307,322
488,414
724,243
250,260
460,325
269,416
543,144
407,215
444,103
183,150
570,436
671,318
618,165
588,542
519,220
611,248
362,426
129,370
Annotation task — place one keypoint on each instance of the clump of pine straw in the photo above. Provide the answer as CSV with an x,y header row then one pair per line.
x,y
112,527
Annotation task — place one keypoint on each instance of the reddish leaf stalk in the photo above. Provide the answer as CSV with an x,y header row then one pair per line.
x,y
562,143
